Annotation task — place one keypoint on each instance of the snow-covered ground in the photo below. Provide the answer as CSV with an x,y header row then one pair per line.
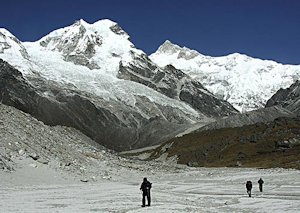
x,y
175,189
58,169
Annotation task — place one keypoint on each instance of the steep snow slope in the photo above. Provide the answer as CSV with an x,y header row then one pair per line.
x,y
12,50
245,82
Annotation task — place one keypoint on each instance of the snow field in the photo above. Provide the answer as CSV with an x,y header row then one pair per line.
x,y
180,189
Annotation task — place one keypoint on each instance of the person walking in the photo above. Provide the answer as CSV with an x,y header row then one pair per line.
x,y
249,187
260,182
145,187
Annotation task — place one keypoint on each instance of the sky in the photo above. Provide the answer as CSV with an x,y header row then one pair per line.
x,y
266,29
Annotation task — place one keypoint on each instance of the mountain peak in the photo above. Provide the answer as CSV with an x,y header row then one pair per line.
x,y
5,32
99,26
89,44
11,46
168,43
81,28
100,23
104,22
80,21
82,35
169,48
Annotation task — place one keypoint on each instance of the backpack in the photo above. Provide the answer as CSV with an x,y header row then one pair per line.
x,y
249,184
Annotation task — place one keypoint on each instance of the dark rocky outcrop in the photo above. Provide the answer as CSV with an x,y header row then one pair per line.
x,y
288,98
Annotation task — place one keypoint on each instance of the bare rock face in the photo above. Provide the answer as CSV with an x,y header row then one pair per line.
x,y
177,85
118,30
288,98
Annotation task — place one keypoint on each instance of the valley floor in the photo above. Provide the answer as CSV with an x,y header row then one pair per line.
x,y
175,189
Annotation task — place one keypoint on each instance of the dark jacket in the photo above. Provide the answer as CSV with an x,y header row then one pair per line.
x,y
146,185
249,185
260,181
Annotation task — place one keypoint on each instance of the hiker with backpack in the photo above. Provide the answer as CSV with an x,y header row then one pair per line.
x,y
145,187
249,187
260,182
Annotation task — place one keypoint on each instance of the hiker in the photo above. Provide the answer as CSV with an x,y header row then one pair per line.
x,y
260,182
145,187
249,187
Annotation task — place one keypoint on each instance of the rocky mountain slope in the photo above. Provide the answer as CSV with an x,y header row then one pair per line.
x,y
263,115
23,137
288,98
92,78
177,85
31,150
247,83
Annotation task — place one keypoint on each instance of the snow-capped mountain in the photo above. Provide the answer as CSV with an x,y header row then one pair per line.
x,y
12,50
94,76
247,83
97,46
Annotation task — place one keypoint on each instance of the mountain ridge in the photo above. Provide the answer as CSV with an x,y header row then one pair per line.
x,y
288,98
246,82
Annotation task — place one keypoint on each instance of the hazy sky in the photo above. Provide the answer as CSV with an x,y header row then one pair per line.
x,y
267,29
